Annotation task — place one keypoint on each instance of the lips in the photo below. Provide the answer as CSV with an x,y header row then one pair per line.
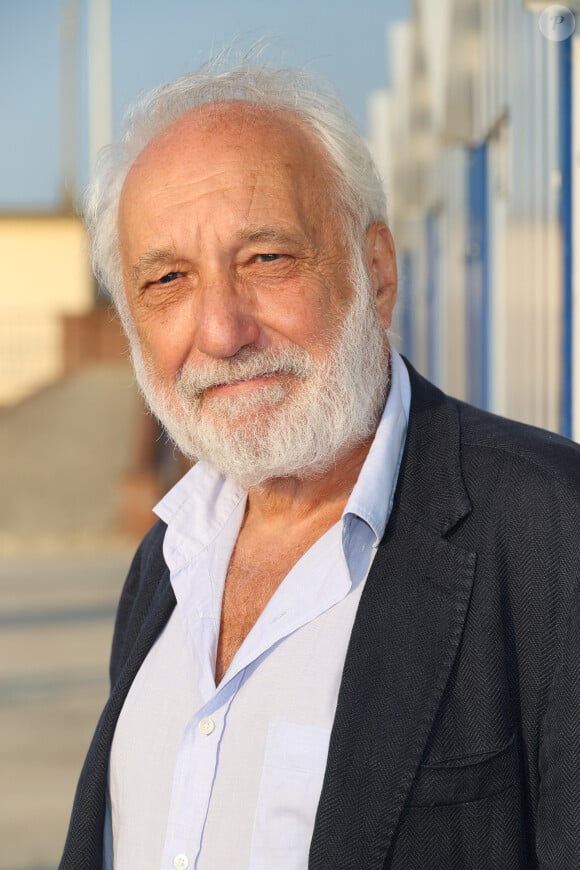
x,y
241,383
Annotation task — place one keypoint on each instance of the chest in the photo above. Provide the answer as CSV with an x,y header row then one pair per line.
x,y
253,576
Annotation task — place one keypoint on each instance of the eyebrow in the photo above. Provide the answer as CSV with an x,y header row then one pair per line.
x,y
270,234
152,259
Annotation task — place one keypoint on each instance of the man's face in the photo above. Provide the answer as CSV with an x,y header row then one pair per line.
x,y
237,274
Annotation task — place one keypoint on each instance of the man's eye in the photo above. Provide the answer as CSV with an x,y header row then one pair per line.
x,y
267,258
171,276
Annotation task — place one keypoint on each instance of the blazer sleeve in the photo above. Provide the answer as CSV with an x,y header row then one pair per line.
x,y
558,831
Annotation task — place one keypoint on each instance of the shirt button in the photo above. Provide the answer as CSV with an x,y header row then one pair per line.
x,y
206,726
181,862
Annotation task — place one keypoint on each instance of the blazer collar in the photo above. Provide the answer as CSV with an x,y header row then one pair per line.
x,y
403,644
431,487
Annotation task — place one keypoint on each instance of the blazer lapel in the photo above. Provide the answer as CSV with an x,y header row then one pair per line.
x,y
403,644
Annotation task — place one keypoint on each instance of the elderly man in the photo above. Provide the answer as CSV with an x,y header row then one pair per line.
x,y
352,640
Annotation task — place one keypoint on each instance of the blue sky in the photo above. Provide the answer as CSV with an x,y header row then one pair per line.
x,y
154,41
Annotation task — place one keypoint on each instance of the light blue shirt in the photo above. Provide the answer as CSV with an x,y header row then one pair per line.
x,y
236,769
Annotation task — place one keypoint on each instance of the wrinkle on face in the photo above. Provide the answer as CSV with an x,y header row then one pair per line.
x,y
215,187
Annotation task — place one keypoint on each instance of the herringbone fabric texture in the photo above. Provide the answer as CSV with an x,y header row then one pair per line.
x,y
456,739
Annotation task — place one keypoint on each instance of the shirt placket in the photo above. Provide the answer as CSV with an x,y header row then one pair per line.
x,y
195,773
198,754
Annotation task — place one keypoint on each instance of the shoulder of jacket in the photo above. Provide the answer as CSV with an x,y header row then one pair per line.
x,y
515,463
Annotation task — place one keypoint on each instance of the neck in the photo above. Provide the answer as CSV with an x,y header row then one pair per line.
x,y
293,500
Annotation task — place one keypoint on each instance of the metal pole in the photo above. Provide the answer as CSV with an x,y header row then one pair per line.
x,y
69,96
99,55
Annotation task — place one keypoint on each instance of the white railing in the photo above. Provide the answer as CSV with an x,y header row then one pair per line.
x,y
31,354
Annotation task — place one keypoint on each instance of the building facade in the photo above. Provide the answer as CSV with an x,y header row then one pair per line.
x,y
481,162
46,277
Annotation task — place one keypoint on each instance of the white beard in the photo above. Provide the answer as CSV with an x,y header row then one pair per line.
x,y
296,426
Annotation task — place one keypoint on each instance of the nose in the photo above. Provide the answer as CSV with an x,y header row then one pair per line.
x,y
224,320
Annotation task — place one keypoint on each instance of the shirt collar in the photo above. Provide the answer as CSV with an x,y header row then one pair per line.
x,y
196,510
378,476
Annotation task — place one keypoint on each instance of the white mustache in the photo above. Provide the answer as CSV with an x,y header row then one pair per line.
x,y
194,380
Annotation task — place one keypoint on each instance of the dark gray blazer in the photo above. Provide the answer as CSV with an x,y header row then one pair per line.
x,y
456,741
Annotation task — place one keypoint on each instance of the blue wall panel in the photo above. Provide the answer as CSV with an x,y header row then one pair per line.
x,y
477,278
433,325
566,204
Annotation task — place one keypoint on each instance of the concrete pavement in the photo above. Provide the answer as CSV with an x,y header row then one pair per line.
x,y
56,617
62,453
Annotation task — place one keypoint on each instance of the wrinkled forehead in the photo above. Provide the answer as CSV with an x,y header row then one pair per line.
x,y
272,139
222,148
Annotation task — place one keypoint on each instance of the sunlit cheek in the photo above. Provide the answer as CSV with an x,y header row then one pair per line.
x,y
164,351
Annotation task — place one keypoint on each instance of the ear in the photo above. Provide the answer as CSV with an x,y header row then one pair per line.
x,y
382,266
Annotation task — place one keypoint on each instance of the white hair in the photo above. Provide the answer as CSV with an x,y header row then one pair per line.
x,y
359,191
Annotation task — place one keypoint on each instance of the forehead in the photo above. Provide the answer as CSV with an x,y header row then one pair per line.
x,y
232,144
